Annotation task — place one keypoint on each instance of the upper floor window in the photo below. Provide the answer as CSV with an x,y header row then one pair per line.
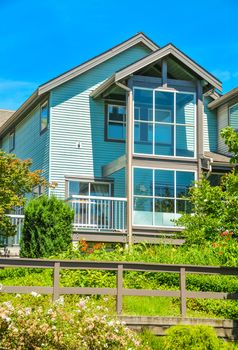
x,y
233,116
164,123
11,141
44,116
116,122
86,188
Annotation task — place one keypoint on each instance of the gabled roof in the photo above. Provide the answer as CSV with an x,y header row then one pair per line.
x,y
41,91
5,114
169,49
224,99
139,38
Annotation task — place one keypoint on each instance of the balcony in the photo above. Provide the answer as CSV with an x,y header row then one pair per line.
x,y
98,213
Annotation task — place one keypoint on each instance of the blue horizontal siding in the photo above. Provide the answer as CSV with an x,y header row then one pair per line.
x,y
29,144
75,116
210,135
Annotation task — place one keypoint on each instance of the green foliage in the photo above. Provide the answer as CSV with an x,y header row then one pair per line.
x,y
230,137
47,228
215,210
192,338
16,180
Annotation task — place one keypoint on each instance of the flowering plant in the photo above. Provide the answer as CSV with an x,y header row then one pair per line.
x,y
85,326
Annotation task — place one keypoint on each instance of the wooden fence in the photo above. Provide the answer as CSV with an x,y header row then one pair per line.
x,y
119,267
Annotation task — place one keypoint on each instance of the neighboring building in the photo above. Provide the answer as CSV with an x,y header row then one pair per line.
x,y
124,135
5,114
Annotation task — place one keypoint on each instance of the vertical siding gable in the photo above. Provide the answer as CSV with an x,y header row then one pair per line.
x,y
210,122
75,116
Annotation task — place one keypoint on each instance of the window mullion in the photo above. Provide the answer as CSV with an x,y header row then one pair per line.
x,y
153,193
175,193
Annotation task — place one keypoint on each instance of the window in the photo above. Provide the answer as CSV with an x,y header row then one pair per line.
x,y
233,116
85,188
160,196
116,122
215,179
44,116
11,141
38,190
164,123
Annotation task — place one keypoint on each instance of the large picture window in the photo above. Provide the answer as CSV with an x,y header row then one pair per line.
x,y
160,196
164,123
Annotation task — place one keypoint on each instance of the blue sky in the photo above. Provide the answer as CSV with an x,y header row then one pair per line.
x,y
41,39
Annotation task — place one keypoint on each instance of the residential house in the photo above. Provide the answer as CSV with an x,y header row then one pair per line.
x,y
124,135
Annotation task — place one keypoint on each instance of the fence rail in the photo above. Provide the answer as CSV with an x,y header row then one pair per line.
x,y
119,267
98,213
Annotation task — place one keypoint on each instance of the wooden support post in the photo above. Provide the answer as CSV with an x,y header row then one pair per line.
x,y
119,288
199,128
182,292
129,147
164,73
56,281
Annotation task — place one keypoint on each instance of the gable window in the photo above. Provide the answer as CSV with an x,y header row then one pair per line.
x,y
44,116
116,122
164,123
233,116
90,189
11,141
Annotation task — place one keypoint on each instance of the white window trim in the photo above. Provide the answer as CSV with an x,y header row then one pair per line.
x,y
154,123
174,198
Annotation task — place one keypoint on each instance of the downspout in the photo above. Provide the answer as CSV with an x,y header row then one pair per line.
x,y
210,168
129,140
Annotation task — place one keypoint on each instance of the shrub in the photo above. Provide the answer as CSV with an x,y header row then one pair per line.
x,y
215,210
47,228
54,327
192,338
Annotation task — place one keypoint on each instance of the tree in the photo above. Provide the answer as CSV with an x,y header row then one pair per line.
x,y
16,180
47,227
230,137
215,208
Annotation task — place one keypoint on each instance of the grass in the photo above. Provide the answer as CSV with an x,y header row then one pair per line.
x,y
143,306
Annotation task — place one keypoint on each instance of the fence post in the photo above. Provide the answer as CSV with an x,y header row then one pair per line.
x,y
56,281
182,292
119,288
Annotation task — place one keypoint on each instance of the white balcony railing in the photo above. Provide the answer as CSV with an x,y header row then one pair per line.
x,y
99,213
17,221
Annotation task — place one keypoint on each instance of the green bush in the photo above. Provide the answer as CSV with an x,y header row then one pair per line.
x,y
47,228
192,338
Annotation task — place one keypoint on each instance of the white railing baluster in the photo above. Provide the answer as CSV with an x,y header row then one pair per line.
x,y
98,213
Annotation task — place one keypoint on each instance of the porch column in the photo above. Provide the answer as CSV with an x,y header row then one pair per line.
x,y
199,126
129,147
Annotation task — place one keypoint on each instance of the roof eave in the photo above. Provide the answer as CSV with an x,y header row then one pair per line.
x,y
137,39
223,99
14,117
166,50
